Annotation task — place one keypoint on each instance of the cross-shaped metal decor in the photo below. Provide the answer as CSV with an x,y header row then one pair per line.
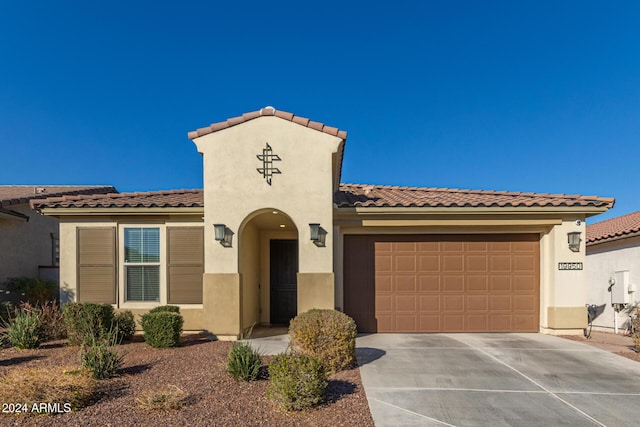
x,y
267,170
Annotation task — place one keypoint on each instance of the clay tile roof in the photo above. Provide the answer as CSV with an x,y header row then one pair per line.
x,y
19,194
268,111
357,195
614,228
152,199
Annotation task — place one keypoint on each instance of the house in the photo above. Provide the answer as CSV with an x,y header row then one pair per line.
x,y
613,270
28,241
274,233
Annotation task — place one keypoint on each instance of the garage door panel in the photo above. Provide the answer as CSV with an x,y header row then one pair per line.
x,y
405,264
453,283
443,283
429,263
429,283
478,283
477,264
452,263
405,283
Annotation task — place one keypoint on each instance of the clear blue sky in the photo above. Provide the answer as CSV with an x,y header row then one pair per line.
x,y
539,96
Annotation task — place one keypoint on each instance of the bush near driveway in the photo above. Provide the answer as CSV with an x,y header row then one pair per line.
x,y
296,381
328,335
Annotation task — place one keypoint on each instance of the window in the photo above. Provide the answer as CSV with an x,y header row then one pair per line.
x,y
142,264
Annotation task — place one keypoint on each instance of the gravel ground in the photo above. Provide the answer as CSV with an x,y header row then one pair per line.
x,y
199,368
622,346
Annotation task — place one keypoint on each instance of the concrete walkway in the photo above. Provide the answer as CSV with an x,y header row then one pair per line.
x,y
496,380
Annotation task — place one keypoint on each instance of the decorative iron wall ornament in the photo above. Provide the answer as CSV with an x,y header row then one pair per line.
x,y
267,170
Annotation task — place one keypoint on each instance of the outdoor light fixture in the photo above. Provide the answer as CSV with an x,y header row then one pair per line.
x,y
223,234
318,235
574,241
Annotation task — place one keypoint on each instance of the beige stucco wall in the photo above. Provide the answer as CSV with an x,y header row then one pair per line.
x,y
192,318
603,261
25,245
249,247
303,190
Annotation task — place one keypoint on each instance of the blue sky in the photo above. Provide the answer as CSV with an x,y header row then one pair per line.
x,y
537,96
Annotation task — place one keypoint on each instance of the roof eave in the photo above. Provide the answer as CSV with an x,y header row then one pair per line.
x,y
137,211
613,238
586,210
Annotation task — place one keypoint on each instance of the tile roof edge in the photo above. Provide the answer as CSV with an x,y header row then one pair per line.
x,y
266,112
495,192
84,190
112,196
612,237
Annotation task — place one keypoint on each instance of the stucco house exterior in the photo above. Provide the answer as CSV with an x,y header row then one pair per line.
x,y
29,241
613,270
274,233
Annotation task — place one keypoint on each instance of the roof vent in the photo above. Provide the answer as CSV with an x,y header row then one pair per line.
x,y
39,190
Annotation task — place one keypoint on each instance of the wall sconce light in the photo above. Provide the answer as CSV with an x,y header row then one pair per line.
x,y
223,234
574,241
318,235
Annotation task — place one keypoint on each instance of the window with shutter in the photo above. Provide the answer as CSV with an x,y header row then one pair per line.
x,y
185,264
96,274
142,264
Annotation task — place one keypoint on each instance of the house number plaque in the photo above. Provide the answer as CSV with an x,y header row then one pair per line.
x,y
267,157
569,266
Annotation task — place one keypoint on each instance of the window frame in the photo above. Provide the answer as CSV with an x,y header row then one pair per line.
x,y
122,267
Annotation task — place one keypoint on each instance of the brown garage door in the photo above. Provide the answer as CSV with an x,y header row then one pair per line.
x,y
443,283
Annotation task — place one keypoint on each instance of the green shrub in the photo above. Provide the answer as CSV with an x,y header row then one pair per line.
x,y
25,329
244,362
85,319
165,308
124,325
296,381
328,335
100,356
32,290
162,329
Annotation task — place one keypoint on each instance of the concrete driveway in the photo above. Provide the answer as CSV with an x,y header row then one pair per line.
x,y
496,380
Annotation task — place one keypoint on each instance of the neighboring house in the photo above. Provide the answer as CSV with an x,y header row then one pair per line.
x,y
274,233
29,241
613,270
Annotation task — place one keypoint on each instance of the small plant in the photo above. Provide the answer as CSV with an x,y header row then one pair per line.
x,y
47,385
296,381
82,319
24,331
328,335
100,356
162,329
168,398
635,326
244,362
6,311
124,325
165,308
32,290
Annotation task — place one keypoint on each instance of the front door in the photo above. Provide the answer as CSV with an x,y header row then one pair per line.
x,y
284,267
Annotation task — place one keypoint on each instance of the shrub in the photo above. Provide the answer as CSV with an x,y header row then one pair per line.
x,y
296,381
162,329
50,384
635,326
124,325
85,319
167,398
165,308
51,318
244,362
100,356
25,329
6,311
32,290
328,335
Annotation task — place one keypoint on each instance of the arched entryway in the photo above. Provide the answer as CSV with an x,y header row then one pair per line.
x,y
268,266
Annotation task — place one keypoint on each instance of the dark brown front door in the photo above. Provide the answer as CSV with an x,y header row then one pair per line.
x,y
284,268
